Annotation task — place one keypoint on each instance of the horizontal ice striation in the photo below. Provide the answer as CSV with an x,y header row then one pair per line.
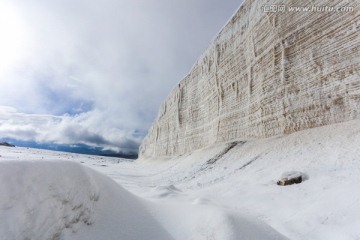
x,y
265,74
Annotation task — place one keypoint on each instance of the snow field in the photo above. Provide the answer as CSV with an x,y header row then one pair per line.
x,y
51,195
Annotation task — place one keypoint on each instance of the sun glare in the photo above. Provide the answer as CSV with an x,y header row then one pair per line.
x,y
14,36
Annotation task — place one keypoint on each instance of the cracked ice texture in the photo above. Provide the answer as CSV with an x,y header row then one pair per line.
x,y
265,74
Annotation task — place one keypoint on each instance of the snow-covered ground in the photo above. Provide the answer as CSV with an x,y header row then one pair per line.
x,y
209,194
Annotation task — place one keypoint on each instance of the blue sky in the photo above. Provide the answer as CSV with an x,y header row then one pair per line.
x,y
95,72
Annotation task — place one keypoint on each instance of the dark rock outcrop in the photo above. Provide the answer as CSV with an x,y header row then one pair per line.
x,y
6,144
289,181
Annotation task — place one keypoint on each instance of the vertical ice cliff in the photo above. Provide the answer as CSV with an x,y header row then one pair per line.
x,y
266,73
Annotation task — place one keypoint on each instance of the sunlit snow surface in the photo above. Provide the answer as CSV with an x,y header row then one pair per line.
x,y
54,195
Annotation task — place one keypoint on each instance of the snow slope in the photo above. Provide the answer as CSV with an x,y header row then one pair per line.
x,y
54,199
209,194
64,200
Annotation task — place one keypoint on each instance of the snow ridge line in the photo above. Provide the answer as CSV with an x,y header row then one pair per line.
x,y
225,151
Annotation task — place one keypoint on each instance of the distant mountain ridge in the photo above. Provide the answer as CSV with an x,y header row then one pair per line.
x,y
6,144
79,148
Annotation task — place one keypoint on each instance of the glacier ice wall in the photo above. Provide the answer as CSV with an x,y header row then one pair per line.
x,y
265,74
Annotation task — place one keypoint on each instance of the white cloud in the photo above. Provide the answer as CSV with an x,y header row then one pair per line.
x,y
86,128
96,71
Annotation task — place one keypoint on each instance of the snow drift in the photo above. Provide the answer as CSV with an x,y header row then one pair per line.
x,y
64,200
